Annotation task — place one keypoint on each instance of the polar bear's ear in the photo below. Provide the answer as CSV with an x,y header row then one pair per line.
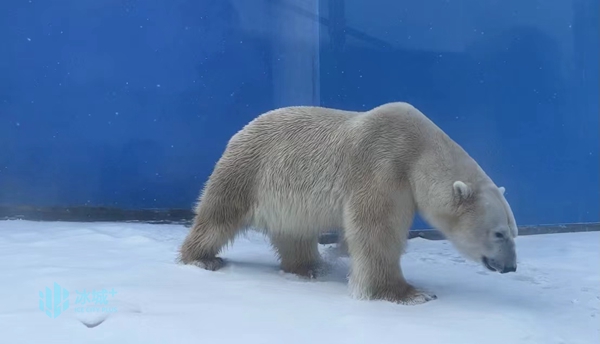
x,y
502,190
461,190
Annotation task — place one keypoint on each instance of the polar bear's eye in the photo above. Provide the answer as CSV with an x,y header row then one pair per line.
x,y
499,235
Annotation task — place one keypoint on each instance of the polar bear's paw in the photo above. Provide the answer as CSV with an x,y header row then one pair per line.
x,y
405,295
211,264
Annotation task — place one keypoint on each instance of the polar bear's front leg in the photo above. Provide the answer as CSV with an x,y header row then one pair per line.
x,y
376,231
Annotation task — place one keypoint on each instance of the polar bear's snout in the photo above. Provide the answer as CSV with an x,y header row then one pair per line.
x,y
504,261
494,265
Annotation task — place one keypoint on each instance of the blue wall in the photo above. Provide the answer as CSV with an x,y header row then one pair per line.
x,y
130,103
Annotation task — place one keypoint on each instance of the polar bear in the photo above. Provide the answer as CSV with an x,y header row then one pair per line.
x,y
296,172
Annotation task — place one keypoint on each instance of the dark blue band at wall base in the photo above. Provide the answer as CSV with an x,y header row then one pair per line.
x,y
184,217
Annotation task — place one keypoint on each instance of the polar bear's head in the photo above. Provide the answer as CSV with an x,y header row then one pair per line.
x,y
480,224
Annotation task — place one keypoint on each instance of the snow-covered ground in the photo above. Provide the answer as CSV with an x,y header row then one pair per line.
x,y
554,297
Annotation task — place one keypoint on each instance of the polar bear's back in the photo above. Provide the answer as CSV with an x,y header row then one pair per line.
x,y
296,139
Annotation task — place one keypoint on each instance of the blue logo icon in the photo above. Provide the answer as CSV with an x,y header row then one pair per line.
x,y
54,301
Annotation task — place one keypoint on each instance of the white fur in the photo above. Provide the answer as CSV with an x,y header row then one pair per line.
x,y
296,172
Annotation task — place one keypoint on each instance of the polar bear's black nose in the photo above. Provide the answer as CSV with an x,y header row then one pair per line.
x,y
509,269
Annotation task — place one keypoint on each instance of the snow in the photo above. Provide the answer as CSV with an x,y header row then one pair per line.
x,y
552,298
